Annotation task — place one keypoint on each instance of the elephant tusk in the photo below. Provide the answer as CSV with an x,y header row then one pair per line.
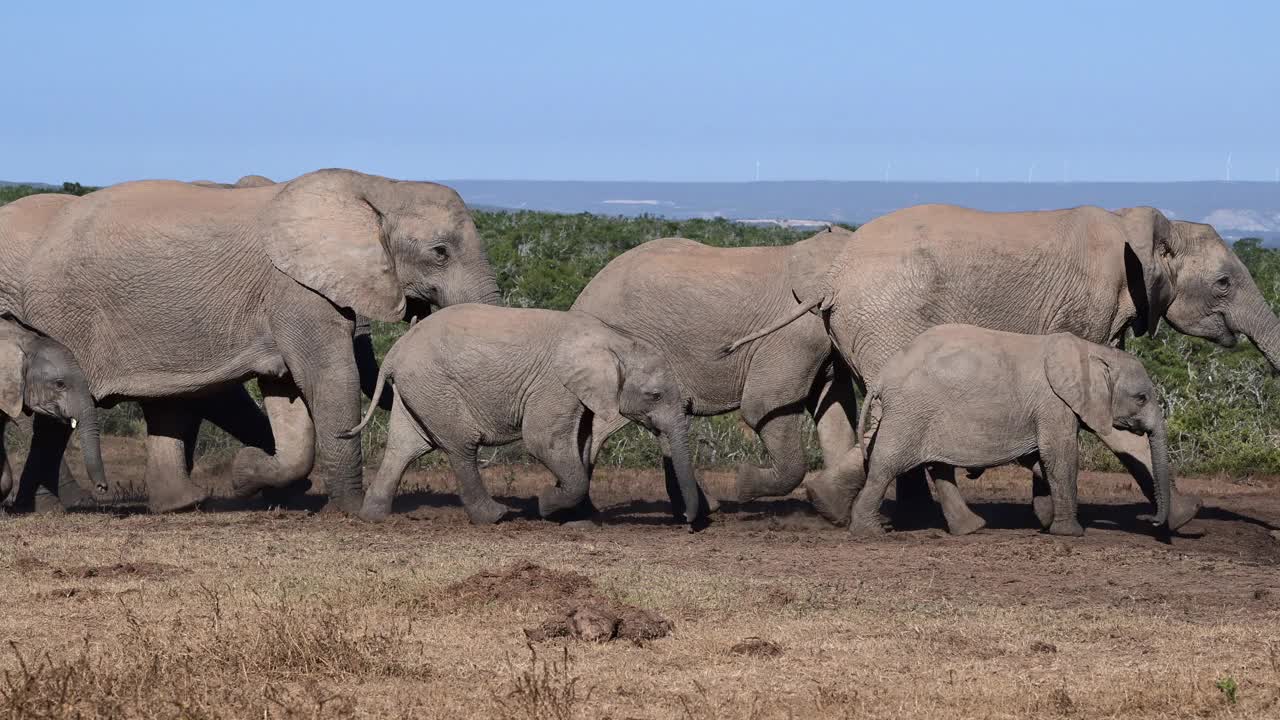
x,y
73,423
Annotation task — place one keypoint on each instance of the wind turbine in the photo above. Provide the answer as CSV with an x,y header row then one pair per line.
x,y
1228,166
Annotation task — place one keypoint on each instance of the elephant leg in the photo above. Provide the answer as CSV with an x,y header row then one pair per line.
x,y
961,519
1041,497
780,429
171,437
44,474
1060,458
565,449
864,517
1134,452
316,343
295,437
479,504
834,408
406,442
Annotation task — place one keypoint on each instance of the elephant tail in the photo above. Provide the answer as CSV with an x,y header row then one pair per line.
x,y
373,404
799,313
869,423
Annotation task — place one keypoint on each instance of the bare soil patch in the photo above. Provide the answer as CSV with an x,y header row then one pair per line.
x,y
300,614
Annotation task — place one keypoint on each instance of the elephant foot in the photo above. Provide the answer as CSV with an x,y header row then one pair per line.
x,y
351,505
167,499
754,483
46,503
1068,528
254,470
832,501
1043,507
965,524
487,512
1183,509
866,526
374,511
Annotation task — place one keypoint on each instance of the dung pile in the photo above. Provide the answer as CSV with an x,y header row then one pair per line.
x,y
578,610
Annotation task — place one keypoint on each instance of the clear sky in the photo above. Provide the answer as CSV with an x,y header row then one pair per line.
x,y
656,90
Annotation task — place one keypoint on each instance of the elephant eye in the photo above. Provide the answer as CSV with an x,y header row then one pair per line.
x,y
1141,398
441,251
59,384
1223,283
653,394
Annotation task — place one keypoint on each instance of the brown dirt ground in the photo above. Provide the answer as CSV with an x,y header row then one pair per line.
x,y
772,612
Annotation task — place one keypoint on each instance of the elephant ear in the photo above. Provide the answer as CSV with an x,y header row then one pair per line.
x,y
1149,242
588,367
12,376
1081,378
322,232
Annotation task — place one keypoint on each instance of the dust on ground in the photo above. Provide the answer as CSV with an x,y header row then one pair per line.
x,y
770,612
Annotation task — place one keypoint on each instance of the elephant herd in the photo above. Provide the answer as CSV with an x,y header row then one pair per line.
x,y
980,339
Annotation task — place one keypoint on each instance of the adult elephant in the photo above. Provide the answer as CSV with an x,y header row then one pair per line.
x,y
170,291
689,300
248,181
1087,271
46,481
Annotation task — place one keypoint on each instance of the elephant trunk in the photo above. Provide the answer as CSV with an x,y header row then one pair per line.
x,y
1158,437
85,415
682,462
1262,327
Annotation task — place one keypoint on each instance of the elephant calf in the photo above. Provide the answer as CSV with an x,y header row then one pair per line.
x,y
472,375
42,376
963,396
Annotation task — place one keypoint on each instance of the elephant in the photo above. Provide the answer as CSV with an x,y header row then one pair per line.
x,y
1094,273
474,375
688,299
964,396
43,377
174,294
248,181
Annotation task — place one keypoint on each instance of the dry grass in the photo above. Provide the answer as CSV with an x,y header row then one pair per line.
x,y
775,615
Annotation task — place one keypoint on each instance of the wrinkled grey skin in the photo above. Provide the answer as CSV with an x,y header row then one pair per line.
x,y
477,375
40,375
963,396
172,293
689,300
1087,271
23,225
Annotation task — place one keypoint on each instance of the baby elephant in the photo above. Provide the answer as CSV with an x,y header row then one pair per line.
x,y
40,375
968,397
472,375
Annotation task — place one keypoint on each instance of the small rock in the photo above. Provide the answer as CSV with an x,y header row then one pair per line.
x,y
1043,647
756,647
1261,594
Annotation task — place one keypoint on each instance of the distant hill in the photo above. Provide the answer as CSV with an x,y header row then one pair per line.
x,y
1236,209
42,186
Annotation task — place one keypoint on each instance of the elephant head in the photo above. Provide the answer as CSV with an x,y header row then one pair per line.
x,y
624,376
1110,389
387,249
42,375
1192,279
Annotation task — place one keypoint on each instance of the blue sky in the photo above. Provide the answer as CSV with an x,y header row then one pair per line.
x,y
653,90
